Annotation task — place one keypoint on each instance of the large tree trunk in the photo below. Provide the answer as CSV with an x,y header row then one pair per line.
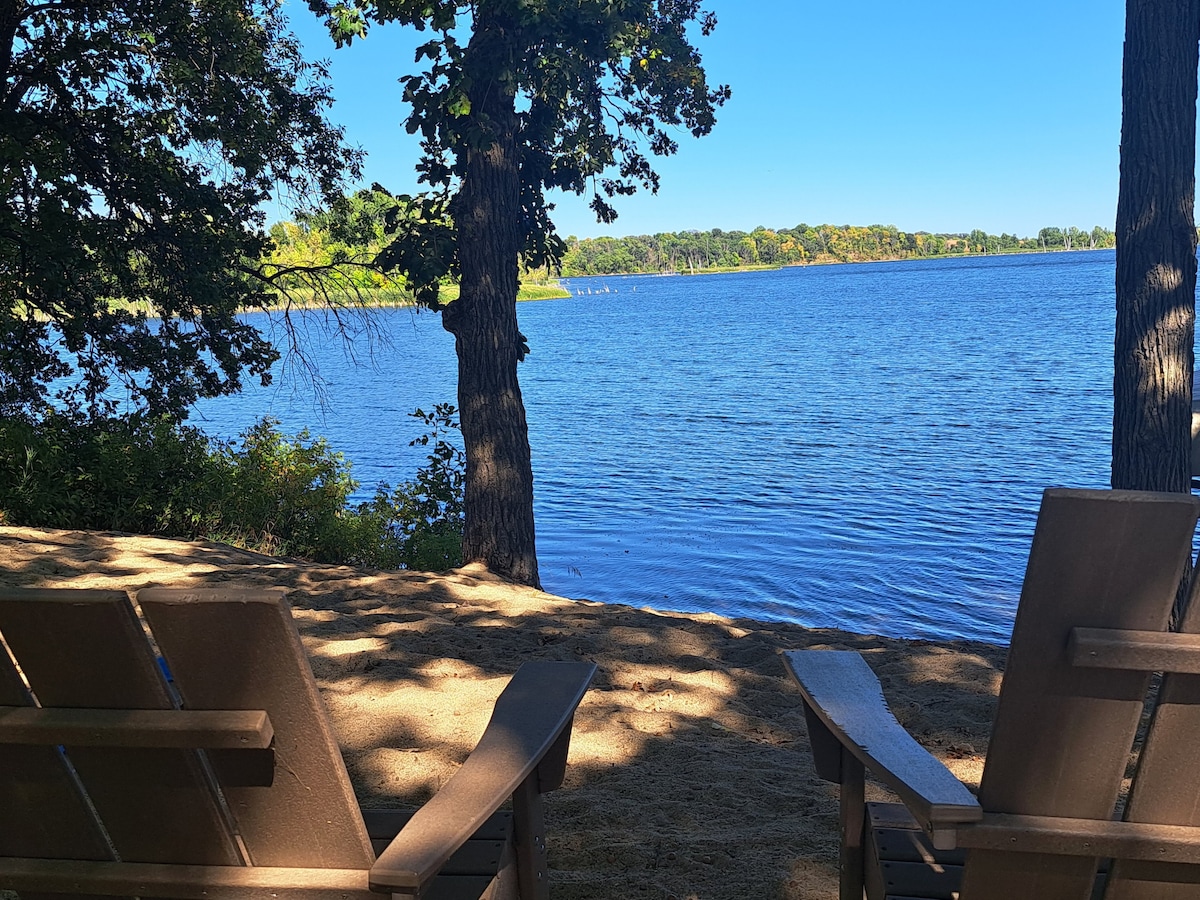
x,y
487,210
1156,248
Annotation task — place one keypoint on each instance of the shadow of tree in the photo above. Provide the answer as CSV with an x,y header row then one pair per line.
x,y
690,775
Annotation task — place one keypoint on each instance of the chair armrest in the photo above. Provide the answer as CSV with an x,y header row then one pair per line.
x,y
527,737
843,696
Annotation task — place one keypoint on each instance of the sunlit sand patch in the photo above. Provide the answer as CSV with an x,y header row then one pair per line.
x,y
420,625
608,747
968,770
314,615
350,647
457,668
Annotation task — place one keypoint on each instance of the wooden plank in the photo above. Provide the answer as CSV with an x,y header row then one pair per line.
x,y
552,770
890,815
181,729
43,812
458,887
1139,651
846,696
1166,788
527,722
239,649
851,827
903,845
824,744
872,875
1162,879
183,882
1062,735
475,857
86,649
385,824
482,854
529,841
1083,837
921,880
243,768
893,836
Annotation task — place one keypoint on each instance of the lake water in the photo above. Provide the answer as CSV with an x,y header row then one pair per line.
x,y
856,446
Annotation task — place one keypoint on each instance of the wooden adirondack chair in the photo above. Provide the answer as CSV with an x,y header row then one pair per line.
x,y
1091,628
108,787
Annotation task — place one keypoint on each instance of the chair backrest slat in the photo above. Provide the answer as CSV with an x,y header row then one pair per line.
x,y
1099,559
43,813
239,649
1166,788
87,649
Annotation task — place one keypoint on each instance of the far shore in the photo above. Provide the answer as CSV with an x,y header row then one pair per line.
x,y
727,270
690,776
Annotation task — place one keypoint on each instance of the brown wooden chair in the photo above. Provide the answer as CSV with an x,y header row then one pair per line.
x,y
227,782
1090,630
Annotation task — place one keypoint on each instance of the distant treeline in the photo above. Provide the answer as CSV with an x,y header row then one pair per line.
x,y
688,251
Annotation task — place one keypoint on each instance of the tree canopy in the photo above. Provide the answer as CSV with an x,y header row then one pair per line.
x,y
602,86
137,142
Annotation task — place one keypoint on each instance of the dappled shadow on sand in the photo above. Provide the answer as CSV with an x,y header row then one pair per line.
x,y
690,775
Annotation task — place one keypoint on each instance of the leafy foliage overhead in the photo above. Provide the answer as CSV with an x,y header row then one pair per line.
x,y
137,141
600,87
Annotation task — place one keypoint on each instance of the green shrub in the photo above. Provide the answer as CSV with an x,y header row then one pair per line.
x,y
425,516
268,493
132,474
285,497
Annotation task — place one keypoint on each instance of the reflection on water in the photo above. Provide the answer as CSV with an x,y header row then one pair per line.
x,y
855,446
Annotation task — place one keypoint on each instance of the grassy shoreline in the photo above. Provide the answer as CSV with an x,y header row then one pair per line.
x,y
381,298
365,298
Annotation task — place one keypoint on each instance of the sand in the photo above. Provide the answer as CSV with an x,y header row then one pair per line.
x,y
689,775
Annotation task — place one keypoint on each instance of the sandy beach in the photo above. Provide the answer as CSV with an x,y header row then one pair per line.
x,y
689,773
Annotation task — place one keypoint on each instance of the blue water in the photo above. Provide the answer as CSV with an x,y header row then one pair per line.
x,y
859,446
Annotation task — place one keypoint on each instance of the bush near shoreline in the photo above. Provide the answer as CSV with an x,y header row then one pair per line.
x,y
265,492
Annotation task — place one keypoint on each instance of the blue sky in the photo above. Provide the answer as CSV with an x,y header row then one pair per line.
x,y
932,116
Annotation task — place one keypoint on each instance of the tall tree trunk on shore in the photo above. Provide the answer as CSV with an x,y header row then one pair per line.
x,y
499,529
1156,248
602,88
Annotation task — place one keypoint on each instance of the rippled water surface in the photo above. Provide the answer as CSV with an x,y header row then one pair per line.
x,y
859,446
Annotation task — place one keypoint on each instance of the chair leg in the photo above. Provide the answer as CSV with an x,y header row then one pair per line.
x,y
853,815
504,886
529,831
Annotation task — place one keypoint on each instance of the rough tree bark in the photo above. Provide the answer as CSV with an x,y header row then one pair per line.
x,y
1156,248
499,528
